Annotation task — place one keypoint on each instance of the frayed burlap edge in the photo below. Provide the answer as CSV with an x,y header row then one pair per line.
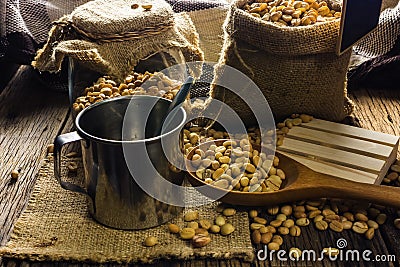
x,y
182,39
44,245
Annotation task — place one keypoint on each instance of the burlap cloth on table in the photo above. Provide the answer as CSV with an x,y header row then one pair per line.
x,y
111,37
56,226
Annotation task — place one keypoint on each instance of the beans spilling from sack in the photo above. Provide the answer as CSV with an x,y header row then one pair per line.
x,y
292,13
269,225
155,84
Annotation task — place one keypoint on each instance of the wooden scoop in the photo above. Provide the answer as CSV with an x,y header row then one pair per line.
x,y
301,183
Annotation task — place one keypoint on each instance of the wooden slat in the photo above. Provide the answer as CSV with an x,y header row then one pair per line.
x,y
333,155
350,131
336,170
30,117
341,142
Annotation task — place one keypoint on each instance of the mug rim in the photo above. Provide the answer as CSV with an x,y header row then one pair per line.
x,y
111,141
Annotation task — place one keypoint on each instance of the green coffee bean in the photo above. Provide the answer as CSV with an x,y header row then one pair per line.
x,y
219,220
295,230
260,220
173,228
201,231
321,225
191,216
360,227
215,229
347,225
370,233
256,226
256,237
150,241
349,216
253,213
281,217
381,218
187,233
312,214
286,210
283,230
397,223
273,210
373,224
303,222
277,239
276,223
193,225
295,253
229,212
266,238
273,246
360,217
336,226
200,240
288,223
227,229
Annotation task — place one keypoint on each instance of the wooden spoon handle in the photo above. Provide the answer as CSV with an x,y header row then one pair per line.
x,y
334,187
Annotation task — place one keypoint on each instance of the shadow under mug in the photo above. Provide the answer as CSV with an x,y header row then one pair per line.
x,y
116,199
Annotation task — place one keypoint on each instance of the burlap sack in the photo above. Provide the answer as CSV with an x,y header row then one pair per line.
x,y
111,37
208,24
296,68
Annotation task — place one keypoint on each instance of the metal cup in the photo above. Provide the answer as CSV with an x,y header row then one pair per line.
x,y
115,197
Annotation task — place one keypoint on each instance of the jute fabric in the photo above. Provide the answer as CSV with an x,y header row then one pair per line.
x,y
296,68
56,226
111,37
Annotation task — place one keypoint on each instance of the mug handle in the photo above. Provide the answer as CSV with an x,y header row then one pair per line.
x,y
59,142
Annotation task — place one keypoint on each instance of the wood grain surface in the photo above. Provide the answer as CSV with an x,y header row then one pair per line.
x,y
31,116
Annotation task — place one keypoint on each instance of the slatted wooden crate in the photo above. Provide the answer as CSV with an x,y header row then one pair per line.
x,y
344,151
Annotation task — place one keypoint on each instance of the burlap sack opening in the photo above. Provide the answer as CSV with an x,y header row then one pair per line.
x,y
296,68
111,37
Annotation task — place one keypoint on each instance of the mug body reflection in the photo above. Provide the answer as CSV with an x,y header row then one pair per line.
x,y
107,130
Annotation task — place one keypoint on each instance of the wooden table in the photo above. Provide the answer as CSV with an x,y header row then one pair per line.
x,y
32,115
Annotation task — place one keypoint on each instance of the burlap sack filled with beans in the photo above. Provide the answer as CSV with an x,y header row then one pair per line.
x,y
111,37
295,67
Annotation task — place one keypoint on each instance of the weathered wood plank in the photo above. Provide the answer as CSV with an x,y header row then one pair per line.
x,y
379,110
8,70
30,116
23,129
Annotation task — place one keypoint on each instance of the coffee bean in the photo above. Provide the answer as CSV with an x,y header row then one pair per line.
x,y
200,240
360,227
173,228
370,233
295,230
150,241
187,233
321,225
256,237
336,226
266,238
303,222
381,218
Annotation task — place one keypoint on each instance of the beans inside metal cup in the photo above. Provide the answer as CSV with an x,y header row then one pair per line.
x,y
130,179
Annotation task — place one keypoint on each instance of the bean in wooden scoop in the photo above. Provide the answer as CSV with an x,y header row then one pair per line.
x,y
301,183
